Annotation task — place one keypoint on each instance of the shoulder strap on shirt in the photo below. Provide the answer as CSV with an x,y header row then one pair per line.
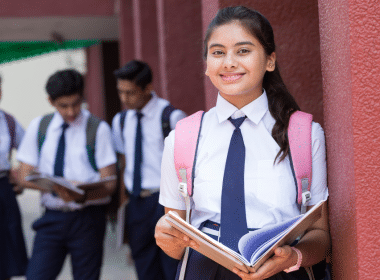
x,y
300,155
187,133
186,141
44,123
91,130
165,119
11,123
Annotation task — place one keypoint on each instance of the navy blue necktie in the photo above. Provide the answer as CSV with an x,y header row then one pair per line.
x,y
60,155
233,219
138,157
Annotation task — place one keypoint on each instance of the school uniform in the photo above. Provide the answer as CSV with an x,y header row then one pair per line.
x,y
68,227
269,190
13,257
143,210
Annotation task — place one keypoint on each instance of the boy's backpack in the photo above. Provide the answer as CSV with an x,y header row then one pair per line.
x,y
11,123
165,120
91,129
186,141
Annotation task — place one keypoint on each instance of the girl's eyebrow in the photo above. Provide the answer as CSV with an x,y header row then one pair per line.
x,y
237,44
244,43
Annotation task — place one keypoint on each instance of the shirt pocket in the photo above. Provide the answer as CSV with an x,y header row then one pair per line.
x,y
274,185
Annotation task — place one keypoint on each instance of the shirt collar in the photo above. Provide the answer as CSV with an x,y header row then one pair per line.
x,y
254,111
148,109
77,122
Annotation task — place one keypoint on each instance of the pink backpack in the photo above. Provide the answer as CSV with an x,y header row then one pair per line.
x,y
299,133
187,133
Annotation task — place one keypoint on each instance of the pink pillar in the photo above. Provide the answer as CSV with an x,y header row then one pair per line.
x,y
126,32
94,82
180,61
149,50
351,81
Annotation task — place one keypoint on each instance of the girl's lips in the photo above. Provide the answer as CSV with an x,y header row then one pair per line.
x,y
231,77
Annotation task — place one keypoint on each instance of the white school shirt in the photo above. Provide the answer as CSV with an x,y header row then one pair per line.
x,y
270,191
152,143
76,164
5,141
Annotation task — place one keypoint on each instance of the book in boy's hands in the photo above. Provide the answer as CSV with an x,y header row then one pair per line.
x,y
46,182
256,246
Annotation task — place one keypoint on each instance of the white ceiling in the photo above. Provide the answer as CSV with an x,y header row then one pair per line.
x,y
71,28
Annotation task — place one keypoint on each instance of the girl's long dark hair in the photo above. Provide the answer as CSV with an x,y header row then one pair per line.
x,y
280,102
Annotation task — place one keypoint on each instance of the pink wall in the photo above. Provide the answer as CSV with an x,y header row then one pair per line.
x,y
181,65
40,8
209,10
351,81
296,30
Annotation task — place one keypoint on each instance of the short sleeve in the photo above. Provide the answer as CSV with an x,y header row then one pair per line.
x,y
318,187
104,151
27,151
117,138
176,116
169,195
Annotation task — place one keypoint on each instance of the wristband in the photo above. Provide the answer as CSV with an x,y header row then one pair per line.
x,y
299,261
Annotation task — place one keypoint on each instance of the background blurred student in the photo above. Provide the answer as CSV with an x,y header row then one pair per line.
x,y
13,257
139,136
59,144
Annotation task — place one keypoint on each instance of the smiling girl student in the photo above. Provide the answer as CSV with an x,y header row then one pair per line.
x,y
252,112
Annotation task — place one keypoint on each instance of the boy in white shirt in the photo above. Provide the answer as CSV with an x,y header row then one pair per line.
x,y
59,144
139,138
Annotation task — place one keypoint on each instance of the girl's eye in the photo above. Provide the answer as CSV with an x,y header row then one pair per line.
x,y
243,51
217,52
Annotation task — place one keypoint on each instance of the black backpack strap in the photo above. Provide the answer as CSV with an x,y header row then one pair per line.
x,y
44,123
11,123
123,114
165,119
91,129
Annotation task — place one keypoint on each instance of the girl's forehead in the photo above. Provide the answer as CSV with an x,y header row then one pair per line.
x,y
228,32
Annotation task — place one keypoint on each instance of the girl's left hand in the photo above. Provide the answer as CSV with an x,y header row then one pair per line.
x,y
284,257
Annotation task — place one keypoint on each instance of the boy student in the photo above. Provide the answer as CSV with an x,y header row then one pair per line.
x,y
139,137
13,258
59,144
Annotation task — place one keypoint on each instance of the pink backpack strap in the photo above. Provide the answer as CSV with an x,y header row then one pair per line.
x,y
299,135
187,133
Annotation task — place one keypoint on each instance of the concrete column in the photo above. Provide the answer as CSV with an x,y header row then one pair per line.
x,y
180,59
148,36
351,80
94,81
126,31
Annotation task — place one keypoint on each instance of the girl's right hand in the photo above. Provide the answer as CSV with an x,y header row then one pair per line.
x,y
172,241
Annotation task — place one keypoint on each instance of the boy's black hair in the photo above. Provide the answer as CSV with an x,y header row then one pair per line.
x,y
136,71
65,83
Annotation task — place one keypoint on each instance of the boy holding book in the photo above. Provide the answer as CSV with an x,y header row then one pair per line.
x,y
59,144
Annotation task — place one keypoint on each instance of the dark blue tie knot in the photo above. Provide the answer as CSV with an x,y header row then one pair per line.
x,y
65,126
139,115
237,122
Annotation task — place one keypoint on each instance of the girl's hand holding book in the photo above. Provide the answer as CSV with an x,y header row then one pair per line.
x,y
172,241
284,257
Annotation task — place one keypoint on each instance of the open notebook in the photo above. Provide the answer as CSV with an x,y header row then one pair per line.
x,y
256,246
46,182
